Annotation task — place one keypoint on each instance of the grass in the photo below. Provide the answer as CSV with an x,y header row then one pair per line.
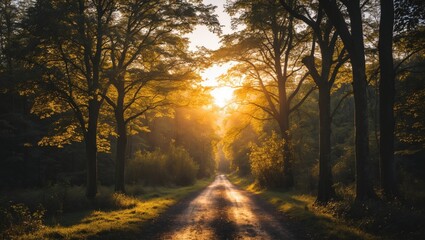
x,y
125,221
306,219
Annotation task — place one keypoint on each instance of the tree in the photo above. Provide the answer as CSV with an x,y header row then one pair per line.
x,y
352,36
66,46
324,75
409,15
148,57
386,99
267,53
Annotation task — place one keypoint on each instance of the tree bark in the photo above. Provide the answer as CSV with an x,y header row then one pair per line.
x,y
288,176
364,186
121,143
354,44
91,149
386,99
325,189
120,157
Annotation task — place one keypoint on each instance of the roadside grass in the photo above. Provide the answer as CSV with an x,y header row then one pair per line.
x,y
113,216
306,220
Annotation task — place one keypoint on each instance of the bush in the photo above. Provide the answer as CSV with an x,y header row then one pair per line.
x,y
148,168
181,167
160,168
17,220
392,220
52,198
267,161
107,199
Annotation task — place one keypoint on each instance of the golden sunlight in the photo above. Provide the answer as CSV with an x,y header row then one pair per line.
x,y
222,95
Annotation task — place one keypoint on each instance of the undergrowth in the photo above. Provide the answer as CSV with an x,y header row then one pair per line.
x,y
343,219
63,212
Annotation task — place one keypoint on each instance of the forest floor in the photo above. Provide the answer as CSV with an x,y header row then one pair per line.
x,y
125,221
307,221
230,207
343,219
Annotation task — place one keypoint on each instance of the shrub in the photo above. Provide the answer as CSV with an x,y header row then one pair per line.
x,y
148,168
159,168
107,199
181,167
267,161
17,220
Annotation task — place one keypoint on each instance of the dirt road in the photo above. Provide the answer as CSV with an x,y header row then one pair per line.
x,y
221,211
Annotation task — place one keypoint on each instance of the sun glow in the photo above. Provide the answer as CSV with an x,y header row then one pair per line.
x,y
223,95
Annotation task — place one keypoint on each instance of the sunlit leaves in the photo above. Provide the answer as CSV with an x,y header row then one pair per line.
x,y
63,135
267,160
410,128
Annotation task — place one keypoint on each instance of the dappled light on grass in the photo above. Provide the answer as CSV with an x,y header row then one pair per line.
x,y
128,216
300,209
101,222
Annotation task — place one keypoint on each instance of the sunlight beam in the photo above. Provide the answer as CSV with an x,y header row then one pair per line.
x,y
221,94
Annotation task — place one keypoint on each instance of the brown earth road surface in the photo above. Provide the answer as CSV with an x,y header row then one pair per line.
x,y
221,211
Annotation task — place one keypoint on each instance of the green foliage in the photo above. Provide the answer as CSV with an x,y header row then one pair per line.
x,y
107,217
267,161
239,133
17,220
160,168
148,168
181,167
343,168
302,212
411,128
61,199
193,128
392,219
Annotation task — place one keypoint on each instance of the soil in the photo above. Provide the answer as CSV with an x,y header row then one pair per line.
x,y
220,211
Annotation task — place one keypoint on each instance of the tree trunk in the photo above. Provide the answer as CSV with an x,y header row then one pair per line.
x,y
364,186
325,190
288,176
121,147
91,149
386,99
354,44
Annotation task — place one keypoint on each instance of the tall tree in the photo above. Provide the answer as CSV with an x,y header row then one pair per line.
x,y
352,36
386,99
324,74
66,47
268,54
148,57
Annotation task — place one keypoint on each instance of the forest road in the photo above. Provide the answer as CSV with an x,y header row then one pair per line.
x,y
220,211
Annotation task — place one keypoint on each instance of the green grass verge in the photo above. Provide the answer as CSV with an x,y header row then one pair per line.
x,y
307,220
123,223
